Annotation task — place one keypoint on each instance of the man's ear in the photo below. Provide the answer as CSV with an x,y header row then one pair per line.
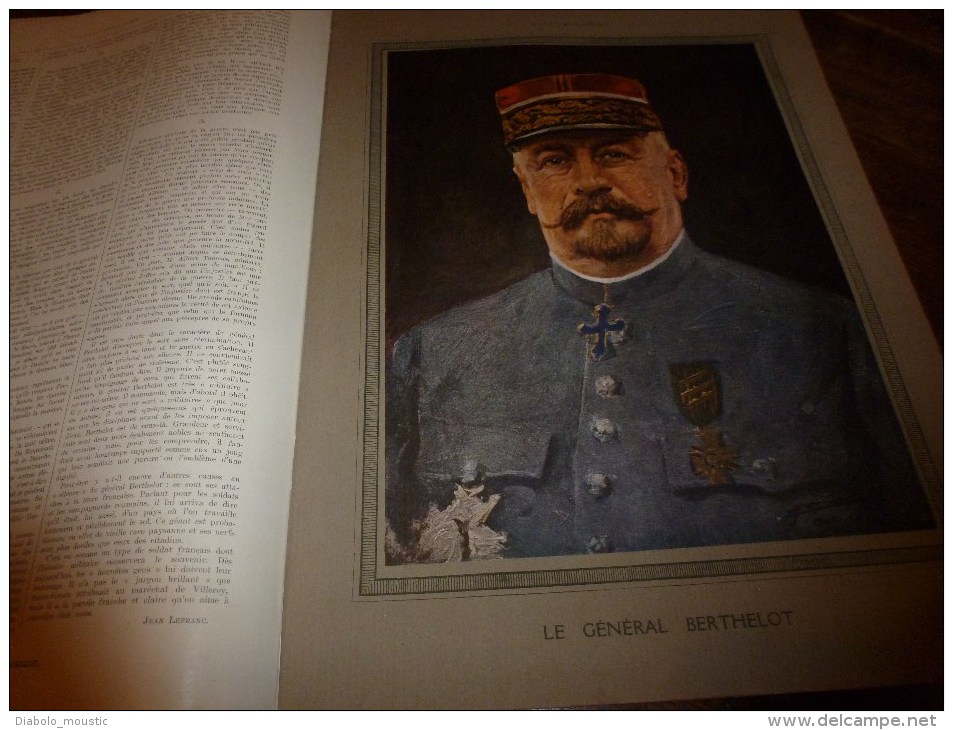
x,y
530,200
679,172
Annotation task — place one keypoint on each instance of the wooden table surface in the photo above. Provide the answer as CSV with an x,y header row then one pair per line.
x,y
885,69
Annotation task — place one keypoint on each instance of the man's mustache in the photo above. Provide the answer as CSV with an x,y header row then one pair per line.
x,y
575,214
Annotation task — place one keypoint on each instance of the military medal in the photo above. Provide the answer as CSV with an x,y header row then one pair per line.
x,y
601,333
695,386
460,532
713,459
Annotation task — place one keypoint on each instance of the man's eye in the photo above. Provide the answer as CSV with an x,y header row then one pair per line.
x,y
613,155
552,161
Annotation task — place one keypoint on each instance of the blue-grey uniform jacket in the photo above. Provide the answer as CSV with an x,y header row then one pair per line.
x,y
795,436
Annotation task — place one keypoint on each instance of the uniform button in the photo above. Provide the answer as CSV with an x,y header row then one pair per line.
x,y
764,468
608,387
598,484
604,429
599,544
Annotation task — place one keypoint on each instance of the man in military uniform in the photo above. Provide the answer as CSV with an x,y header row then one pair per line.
x,y
641,394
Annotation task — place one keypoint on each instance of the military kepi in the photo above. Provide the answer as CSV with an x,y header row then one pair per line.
x,y
568,102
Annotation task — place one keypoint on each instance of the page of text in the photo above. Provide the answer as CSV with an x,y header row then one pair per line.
x,y
162,184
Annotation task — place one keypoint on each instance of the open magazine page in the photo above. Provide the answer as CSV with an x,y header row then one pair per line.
x,y
162,179
651,418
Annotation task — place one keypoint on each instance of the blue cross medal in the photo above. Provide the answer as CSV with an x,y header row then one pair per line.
x,y
599,333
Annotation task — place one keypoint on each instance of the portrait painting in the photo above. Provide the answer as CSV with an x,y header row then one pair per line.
x,y
617,315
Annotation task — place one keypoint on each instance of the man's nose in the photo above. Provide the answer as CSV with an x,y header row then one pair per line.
x,y
589,179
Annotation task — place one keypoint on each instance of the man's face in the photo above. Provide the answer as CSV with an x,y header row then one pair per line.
x,y
607,203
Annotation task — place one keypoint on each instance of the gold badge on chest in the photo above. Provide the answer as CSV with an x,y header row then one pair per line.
x,y
697,391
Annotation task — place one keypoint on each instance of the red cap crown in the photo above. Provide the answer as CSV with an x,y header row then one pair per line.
x,y
568,102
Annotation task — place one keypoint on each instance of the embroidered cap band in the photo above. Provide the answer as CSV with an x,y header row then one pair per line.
x,y
568,102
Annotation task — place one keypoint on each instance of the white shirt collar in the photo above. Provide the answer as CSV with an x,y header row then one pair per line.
x,y
632,274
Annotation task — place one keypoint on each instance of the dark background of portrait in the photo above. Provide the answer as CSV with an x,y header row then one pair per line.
x,y
456,223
